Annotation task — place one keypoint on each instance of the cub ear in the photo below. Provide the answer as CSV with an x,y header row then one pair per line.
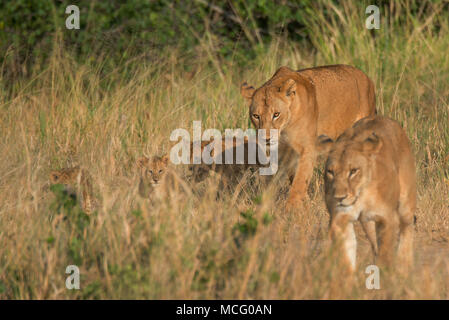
x,y
142,162
288,87
373,143
247,91
165,159
324,144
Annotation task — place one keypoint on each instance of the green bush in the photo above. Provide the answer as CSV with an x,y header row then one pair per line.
x,y
113,26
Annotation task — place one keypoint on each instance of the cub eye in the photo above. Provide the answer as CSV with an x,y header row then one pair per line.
x,y
256,116
353,172
160,171
276,115
151,171
330,173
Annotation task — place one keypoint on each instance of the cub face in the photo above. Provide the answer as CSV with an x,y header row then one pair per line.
x,y
270,106
65,176
348,171
153,171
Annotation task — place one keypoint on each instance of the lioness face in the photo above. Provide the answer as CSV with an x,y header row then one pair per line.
x,y
270,107
346,174
153,170
348,170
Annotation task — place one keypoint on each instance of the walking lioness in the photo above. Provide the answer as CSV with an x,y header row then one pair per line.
x,y
370,176
304,105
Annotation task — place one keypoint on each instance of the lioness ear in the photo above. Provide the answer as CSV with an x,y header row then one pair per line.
x,y
373,143
324,144
247,91
142,161
289,87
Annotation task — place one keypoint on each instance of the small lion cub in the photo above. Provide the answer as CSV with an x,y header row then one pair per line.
x,y
370,177
158,181
153,176
74,179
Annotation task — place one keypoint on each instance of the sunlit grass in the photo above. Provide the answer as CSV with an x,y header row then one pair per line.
x,y
196,246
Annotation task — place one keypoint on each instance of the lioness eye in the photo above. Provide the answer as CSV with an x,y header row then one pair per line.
x,y
151,171
275,115
256,116
160,171
353,172
330,172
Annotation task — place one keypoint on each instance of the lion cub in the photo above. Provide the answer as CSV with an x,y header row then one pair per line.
x,y
156,179
370,176
228,172
76,179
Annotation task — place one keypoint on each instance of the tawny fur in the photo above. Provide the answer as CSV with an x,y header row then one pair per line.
x,y
157,180
305,104
230,174
77,179
370,176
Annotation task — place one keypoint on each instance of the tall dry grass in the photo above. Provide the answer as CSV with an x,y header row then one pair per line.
x,y
195,246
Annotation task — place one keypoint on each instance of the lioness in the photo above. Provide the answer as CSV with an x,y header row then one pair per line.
x,y
370,176
304,105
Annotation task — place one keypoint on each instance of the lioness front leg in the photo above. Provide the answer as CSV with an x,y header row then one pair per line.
x,y
385,233
343,237
369,227
301,181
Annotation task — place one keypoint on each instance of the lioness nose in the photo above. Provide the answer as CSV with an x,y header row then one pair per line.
x,y
268,139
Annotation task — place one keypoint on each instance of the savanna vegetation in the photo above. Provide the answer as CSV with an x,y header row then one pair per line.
x,y
102,96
